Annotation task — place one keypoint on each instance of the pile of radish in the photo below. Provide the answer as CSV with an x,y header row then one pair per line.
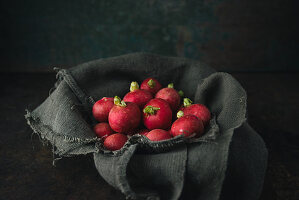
x,y
150,110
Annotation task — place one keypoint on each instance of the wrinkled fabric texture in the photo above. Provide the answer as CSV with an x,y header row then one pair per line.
x,y
227,162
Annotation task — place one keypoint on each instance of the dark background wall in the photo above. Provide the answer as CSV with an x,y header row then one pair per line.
x,y
230,35
239,36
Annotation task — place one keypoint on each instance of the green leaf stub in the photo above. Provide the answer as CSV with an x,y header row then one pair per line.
x,y
151,83
180,114
187,102
119,102
134,86
150,110
181,93
170,85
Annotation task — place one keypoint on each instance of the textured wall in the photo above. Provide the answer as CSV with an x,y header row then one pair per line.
x,y
238,35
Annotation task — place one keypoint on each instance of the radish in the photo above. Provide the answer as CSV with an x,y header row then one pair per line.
x,y
199,110
103,130
151,85
158,135
124,116
170,95
138,96
115,141
187,125
101,109
157,114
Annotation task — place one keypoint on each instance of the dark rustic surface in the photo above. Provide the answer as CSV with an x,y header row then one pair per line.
x,y
228,34
26,170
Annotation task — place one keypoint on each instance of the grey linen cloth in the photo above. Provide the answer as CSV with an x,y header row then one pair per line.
x,y
228,162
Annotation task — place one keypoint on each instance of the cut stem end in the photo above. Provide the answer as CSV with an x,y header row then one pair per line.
x,y
180,114
170,85
181,93
150,110
119,102
151,83
187,102
134,86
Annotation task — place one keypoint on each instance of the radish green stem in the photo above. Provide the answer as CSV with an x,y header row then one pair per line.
x,y
134,86
187,102
151,83
180,114
150,110
181,93
119,102
170,85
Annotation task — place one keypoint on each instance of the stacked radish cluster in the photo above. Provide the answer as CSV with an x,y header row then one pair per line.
x,y
150,111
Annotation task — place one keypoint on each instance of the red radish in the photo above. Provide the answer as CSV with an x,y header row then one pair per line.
x,y
151,85
138,96
158,135
199,110
187,125
103,130
101,109
124,117
115,141
171,96
157,114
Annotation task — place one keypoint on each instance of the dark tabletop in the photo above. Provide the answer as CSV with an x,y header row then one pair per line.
x,y
26,170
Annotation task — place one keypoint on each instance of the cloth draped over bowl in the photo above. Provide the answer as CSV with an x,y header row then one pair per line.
x,y
228,162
